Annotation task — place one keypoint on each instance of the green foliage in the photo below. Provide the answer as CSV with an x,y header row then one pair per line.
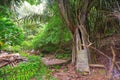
x,y
63,56
9,48
26,45
4,11
9,33
53,34
33,2
27,70
99,23
44,74
57,67
23,71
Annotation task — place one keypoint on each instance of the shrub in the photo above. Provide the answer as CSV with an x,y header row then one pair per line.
x,y
52,36
26,45
9,33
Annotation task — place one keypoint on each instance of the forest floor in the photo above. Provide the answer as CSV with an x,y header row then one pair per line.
x,y
68,72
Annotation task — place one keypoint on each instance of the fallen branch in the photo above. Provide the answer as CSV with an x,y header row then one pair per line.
x,y
10,59
97,66
117,62
51,62
117,65
3,64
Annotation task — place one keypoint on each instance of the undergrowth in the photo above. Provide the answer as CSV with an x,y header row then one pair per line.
x,y
33,68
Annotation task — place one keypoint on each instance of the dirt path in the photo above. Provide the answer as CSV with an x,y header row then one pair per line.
x,y
68,72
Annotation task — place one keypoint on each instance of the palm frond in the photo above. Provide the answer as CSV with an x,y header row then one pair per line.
x,y
27,12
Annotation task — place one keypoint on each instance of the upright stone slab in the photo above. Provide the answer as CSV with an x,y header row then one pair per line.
x,y
82,61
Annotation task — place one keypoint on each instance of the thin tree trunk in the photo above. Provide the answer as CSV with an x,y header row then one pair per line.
x,y
73,52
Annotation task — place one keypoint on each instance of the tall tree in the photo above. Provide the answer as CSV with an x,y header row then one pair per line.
x,y
75,14
75,18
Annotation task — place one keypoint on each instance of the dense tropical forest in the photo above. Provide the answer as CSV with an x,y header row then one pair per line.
x,y
59,39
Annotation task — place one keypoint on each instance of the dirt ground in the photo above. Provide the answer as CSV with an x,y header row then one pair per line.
x,y
68,72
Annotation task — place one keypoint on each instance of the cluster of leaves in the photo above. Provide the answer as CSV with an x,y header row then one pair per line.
x,y
4,8
9,33
100,23
53,34
33,68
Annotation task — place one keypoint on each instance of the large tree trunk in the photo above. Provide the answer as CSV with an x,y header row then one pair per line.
x,y
79,35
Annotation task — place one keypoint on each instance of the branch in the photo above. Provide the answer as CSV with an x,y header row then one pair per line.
x,y
96,50
97,65
117,65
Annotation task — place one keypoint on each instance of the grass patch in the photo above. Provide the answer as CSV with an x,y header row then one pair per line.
x,y
63,56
